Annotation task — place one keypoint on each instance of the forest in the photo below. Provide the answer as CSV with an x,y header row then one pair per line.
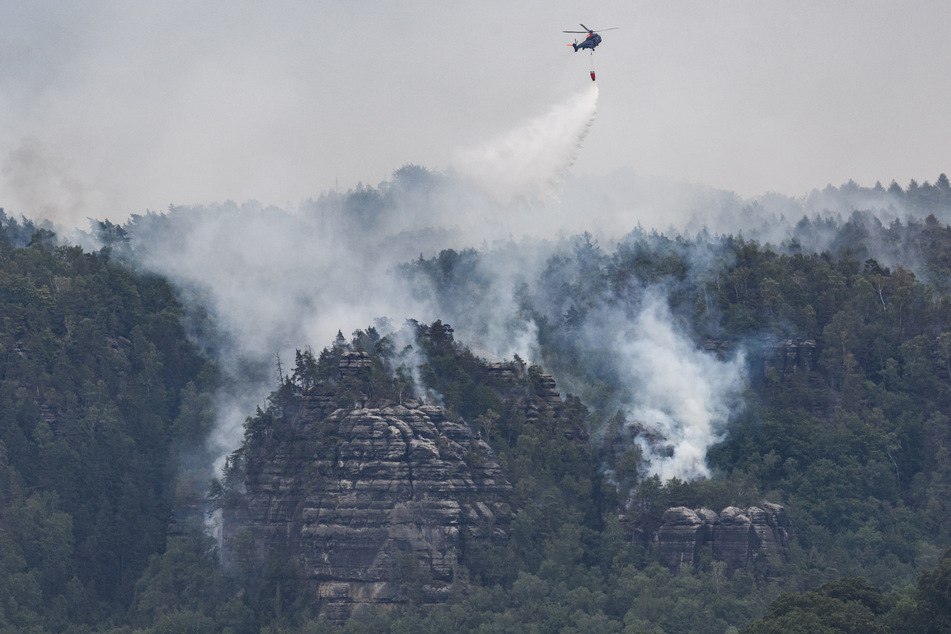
x,y
842,329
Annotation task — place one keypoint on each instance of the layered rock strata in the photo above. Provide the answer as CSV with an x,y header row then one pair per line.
x,y
353,493
741,538
784,357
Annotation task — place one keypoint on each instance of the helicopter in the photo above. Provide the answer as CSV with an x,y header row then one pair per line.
x,y
591,41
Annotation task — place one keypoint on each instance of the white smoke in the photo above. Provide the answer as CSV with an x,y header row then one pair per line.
x,y
529,162
627,354
274,280
682,393
271,282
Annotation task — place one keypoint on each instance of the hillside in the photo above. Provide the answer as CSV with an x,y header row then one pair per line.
x,y
675,381
103,403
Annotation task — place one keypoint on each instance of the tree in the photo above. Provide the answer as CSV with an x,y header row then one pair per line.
x,y
934,597
840,606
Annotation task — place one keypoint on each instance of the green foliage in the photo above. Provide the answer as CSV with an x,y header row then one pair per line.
x,y
454,373
846,424
934,597
15,233
845,605
186,577
847,427
98,385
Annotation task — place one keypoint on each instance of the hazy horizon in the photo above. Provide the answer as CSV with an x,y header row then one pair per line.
x,y
109,108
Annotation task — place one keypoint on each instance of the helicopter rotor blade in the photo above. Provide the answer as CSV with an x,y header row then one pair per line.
x,y
587,30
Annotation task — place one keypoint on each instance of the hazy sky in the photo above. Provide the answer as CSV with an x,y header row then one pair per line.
x,y
114,107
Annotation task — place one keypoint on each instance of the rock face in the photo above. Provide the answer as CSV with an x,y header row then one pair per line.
x,y
779,359
784,356
741,538
350,496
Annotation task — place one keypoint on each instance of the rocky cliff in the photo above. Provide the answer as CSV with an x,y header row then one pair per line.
x,y
366,497
755,537
350,486
353,491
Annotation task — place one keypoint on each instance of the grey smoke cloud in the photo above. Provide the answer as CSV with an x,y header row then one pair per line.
x,y
151,104
112,108
275,280
272,281
43,181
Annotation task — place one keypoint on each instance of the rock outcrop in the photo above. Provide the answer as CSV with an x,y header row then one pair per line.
x,y
348,497
741,538
783,357
779,359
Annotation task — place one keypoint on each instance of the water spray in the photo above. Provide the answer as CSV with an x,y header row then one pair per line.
x,y
529,162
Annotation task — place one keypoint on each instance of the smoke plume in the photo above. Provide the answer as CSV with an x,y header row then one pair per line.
x,y
681,393
530,162
273,280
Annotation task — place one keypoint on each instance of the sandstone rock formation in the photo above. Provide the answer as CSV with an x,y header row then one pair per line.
x,y
741,538
778,358
783,357
346,494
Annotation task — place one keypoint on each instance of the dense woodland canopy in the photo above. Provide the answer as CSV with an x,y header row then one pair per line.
x,y
104,401
102,397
